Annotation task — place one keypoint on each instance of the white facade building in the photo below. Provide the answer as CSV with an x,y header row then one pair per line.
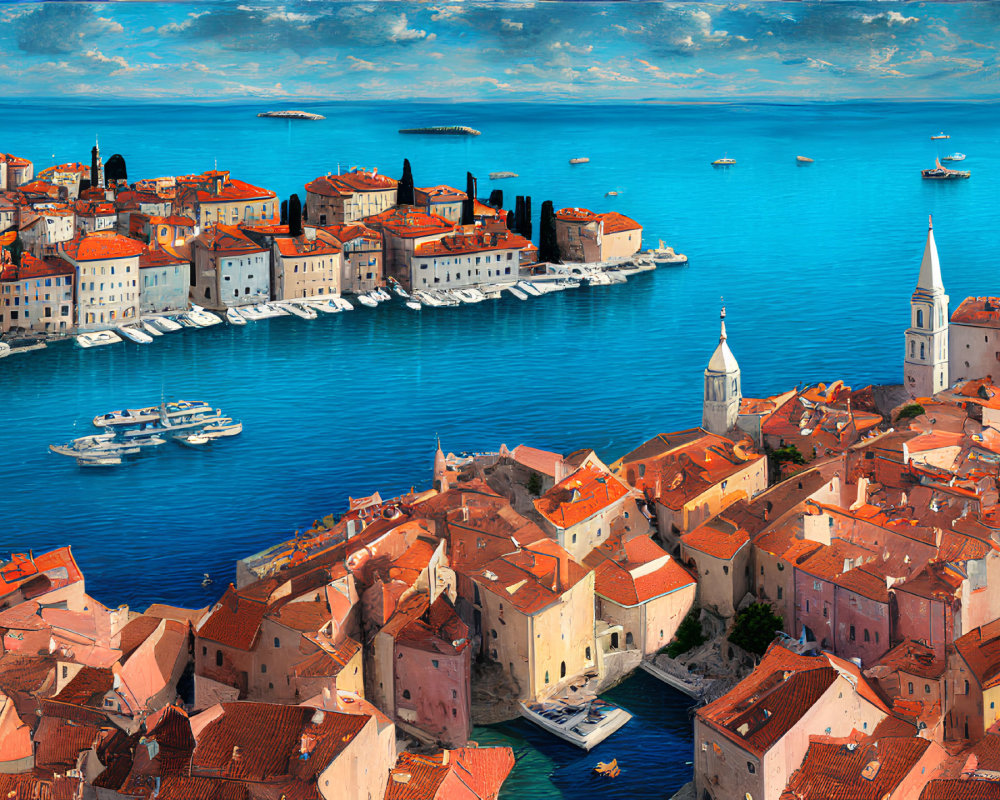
x,y
925,368
721,405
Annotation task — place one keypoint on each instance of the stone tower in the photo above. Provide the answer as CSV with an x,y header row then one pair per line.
x,y
925,365
440,469
722,387
96,165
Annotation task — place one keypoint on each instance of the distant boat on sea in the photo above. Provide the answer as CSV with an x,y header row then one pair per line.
x,y
447,130
940,173
495,176
724,162
612,193
804,159
291,115
579,161
941,135
954,157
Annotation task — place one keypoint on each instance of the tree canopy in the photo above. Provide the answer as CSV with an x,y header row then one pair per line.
x,y
754,628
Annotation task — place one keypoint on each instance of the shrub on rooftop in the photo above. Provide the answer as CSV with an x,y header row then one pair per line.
x,y
910,411
535,484
754,627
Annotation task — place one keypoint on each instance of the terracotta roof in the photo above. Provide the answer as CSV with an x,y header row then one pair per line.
x,y
325,663
159,258
868,770
300,247
440,193
865,583
635,572
32,267
353,230
262,741
438,630
409,222
961,789
465,774
235,621
717,538
576,215
980,648
983,312
531,578
913,658
58,566
833,560
88,687
100,246
230,190
228,238
616,223
135,633
540,461
174,219
465,243
345,183
21,673
579,496
307,616
59,741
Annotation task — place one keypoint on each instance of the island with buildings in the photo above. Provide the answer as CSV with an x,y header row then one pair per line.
x,y
813,566
213,243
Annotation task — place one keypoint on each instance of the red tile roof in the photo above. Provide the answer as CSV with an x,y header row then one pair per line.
x,y
59,741
580,496
865,583
351,231
983,312
980,648
159,258
32,267
235,621
228,238
475,773
100,246
88,687
465,243
408,222
868,770
635,572
346,183
58,566
231,190
961,789
717,538
325,663
616,223
440,193
306,616
531,578
913,658
300,247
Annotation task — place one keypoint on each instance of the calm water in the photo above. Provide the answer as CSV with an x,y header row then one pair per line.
x,y
816,264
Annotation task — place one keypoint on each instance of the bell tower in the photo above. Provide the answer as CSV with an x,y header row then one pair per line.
x,y
925,364
721,405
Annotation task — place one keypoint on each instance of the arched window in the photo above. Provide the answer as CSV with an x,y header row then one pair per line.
x,y
868,637
913,348
562,669
921,351
920,318
614,646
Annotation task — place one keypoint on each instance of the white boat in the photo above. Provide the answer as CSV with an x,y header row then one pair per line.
x,y
954,157
665,256
579,161
517,293
444,297
4,349
724,162
529,288
165,324
325,306
342,303
428,299
175,410
222,427
99,461
460,295
400,291
381,294
299,310
135,334
414,304
193,439
941,135
251,313
97,338
272,310
152,330
472,291
365,300
202,318
234,317
597,279
97,445
585,724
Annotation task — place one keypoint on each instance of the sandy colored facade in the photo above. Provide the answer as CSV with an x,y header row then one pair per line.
x,y
16,171
107,280
404,229
584,236
348,197
444,201
723,576
468,259
48,228
362,770
215,198
37,296
305,267
648,626
361,260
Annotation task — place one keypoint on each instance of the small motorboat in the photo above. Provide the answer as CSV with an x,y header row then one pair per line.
x,y
585,724
4,349
612,193
325,306
99,461
415,305
579,161
97,338
460,295
475,293
609,769
520,295
941,135
597,279
617,276
272,310
234,317
342,303
135,334
940,173
197,440
803,160
954,157
202,318
444,297
220,428
165,324
496,176
206,579
152,330
528,288
299,310
250,313
664,256
365,300
400,291
381,294
724,162
428,299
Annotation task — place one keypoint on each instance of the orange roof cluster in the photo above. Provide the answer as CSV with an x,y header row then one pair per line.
x,y
469,773
202,190
228,238
159,258
102,246
980,648
635,571
95,208
58,566
465,243
409,222
32,267
439,194
346,183
541,461
580,496
301,247
353,230
235,621
616,223
982,312
717,538
174,219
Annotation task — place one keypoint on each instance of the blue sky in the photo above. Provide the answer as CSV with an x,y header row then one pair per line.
x,y
512,51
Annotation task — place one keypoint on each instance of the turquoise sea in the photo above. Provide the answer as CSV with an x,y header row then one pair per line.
x,y
816,264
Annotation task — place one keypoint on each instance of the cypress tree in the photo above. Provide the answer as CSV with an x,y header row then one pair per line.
x,y
284,212
294,216
519,214
526,228
404,191
469,204
548,247
15,249
114,170
496,198
510,219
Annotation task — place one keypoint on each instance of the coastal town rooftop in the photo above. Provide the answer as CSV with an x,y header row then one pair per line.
x,y
580,496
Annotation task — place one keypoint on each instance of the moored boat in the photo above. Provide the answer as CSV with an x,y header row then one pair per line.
x,y
585,724
612,193
941,135
152,330
202,318
165,324
367,301
135,334
579,161
414,305
97,338
518,293
129,417
954,157
528,288
664,256
222,427
299,310
234,317
940,173
326,306
496,176
4,349
803,159
724,162
342,303
107,460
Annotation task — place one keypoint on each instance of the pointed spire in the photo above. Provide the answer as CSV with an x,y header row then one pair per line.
x,y
722,318
930,266
723,359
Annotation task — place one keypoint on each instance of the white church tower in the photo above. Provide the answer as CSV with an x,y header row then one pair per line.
x,y
722,387
925,368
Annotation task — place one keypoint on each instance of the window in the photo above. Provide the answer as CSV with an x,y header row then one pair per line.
x,y
920,318
909,688
562,669
725,569
779,592
852,633
277,642
546,676
826,611
218,658
263,668
434,663
65,671
586,653
868,637
751,768
406,694
493,633
966,687
614,646
204,651
927,690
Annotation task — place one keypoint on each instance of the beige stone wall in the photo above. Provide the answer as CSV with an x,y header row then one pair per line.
x,y
748,481
107,293
361,770
306,276
621,244
721,583
42,308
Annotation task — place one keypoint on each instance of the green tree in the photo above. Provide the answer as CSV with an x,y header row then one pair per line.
x,y
754,628
294,216
689,634
15,249
535,484
404,191
787,453
548,247
910,411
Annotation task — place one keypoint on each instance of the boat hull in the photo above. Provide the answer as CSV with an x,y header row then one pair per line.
x,y
612,723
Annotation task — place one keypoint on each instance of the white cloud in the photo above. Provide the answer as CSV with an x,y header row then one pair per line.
x,y
569,47
179,27
360,65
604,74
511,25
97,57
399,30
890,17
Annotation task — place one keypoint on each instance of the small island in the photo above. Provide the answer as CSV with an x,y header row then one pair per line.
x,y
291,115
449,130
